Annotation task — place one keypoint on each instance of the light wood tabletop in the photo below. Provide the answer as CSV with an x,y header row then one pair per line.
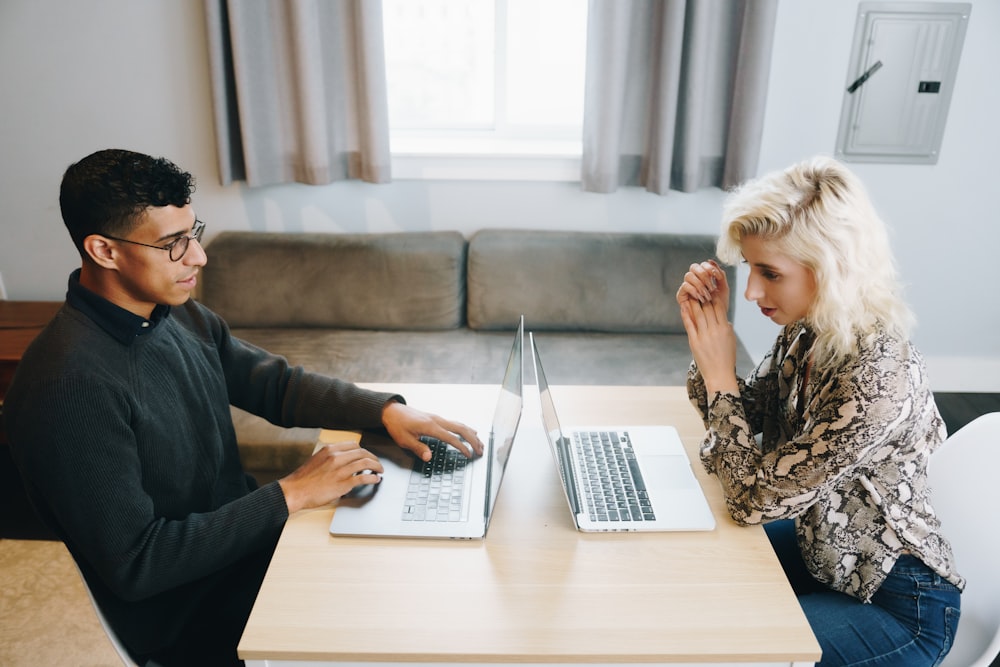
x,y
535,590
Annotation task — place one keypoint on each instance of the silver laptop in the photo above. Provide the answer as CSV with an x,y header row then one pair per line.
x,y
623,478
450,496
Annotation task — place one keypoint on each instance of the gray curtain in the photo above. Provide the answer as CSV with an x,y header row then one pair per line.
x,y
299,90
675,92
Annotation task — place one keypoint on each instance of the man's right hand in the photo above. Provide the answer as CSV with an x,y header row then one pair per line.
x,y
333,471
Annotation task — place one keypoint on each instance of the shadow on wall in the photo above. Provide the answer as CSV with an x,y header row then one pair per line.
x,y
348,207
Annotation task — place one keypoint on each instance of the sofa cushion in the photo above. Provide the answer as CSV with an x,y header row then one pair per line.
x,y
581,281
403,281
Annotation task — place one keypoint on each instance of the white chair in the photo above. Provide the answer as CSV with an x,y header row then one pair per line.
x,y
963,476
108,630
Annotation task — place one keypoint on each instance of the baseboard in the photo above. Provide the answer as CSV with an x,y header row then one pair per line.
x,y
964,374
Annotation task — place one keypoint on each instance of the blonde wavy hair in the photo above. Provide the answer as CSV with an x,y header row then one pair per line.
x,y
818,213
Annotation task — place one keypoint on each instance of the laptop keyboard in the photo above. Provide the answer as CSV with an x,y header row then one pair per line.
x,y
437,486
613,488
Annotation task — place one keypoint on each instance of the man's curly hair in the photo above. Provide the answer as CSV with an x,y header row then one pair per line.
x,y
107,192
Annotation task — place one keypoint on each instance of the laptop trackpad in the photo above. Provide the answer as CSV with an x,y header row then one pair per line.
x,y
669,473
655,441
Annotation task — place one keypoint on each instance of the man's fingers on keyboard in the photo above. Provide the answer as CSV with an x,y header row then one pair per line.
x,y
466,436
447,439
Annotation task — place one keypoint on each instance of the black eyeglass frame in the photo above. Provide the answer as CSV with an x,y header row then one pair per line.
x,y
197,231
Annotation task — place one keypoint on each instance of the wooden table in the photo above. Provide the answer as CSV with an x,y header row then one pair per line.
x,y
535,590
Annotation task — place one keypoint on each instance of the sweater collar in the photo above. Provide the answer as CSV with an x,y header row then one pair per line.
x,y
122,325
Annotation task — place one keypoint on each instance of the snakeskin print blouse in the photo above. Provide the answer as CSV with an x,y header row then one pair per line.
x,y
848,461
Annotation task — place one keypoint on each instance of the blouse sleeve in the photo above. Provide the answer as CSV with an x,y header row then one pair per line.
x,y
753,394
852,416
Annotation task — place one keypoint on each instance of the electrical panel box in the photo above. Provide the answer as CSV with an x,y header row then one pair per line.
x,y
902,72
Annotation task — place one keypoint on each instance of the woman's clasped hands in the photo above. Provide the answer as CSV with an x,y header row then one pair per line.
x,y
704,302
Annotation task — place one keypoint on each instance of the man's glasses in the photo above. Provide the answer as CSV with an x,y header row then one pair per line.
x,y
175,248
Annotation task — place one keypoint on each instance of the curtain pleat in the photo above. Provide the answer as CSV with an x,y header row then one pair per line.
x,y
608,32
677,87
299,91
750,93
665,93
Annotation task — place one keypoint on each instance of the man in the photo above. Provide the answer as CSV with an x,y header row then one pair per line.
x,y
119,421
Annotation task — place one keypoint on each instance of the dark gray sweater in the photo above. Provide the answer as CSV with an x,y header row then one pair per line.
x,y
127,449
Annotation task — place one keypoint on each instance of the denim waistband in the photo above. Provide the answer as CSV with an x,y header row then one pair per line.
x,y
907,564
911,566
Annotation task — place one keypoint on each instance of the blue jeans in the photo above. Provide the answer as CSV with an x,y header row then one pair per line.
x,y
910,622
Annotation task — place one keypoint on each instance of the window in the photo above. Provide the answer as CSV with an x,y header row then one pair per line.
x,y
492,88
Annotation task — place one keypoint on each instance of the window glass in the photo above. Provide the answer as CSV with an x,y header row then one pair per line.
x,y
546,42
510,69
439,63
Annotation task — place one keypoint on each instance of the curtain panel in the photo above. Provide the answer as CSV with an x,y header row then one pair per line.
x,y
299,90
675,92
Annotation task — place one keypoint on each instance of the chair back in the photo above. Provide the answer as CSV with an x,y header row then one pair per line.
x,y
108,630
965,496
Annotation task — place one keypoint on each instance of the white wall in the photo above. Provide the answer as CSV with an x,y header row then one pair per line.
x,y
76,77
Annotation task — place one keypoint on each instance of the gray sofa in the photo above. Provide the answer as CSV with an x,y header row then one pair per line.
x,y
437,307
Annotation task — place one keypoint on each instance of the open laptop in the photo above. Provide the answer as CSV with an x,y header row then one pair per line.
x,y
660,490
449,497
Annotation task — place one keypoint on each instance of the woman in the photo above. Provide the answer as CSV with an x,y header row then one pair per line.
x,y
827,441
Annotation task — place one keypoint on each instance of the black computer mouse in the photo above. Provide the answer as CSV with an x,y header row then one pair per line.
x,y
362,491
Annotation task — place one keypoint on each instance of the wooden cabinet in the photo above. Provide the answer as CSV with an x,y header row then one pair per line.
x,y
20,322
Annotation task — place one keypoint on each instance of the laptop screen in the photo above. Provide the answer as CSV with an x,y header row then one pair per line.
x,y
506,418
553,431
